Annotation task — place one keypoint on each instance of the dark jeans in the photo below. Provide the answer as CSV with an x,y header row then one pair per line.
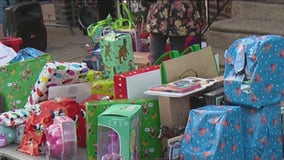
x,y
158,45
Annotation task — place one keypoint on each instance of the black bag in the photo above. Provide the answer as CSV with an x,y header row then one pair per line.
x,y
25,20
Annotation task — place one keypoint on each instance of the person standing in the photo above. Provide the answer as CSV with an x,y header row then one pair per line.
x,y
3,19
171,20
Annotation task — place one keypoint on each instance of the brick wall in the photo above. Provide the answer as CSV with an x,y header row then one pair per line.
x,y
226,12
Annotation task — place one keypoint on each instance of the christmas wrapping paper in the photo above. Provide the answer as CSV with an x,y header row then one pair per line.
x,y
81,129
17,80
13,117
104,86
117,53
150,145
54,74
254,71
135,37
41,117
213,132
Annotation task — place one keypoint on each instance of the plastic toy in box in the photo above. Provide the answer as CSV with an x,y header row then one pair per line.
x,y
61,141
254,71
213,132
121,124
150,146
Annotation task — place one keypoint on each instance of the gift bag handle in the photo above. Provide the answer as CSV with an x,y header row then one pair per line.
x,y
120,22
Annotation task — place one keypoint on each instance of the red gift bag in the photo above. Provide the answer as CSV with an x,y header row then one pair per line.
x,y
42,117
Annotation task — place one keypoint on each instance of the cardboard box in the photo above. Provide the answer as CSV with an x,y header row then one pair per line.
x,y
48,13
201,62
174,111
118,132
141,59
132,84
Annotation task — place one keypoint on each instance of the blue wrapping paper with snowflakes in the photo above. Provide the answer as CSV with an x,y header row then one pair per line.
x,y
262,132
254,71
213,133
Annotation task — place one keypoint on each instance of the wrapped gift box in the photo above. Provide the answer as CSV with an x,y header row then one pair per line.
x,y
55,74
262,132
213,132
254,71
117,53
17,80
132,84
150,146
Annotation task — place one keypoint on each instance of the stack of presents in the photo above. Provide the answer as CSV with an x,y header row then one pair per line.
x,y
51,108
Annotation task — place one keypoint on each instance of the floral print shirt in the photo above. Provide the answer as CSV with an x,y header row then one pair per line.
x,y
172,17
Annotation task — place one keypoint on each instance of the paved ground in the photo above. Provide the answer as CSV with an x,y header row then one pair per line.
x,y
64,46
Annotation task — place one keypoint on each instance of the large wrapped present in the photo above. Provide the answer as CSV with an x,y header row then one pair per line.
x,y
17,80
150,145
117,53
254,71
55,74
213,132
262,132
125,84
41,117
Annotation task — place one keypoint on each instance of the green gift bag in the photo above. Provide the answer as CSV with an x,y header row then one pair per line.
x,y
17,80
150,146
117,53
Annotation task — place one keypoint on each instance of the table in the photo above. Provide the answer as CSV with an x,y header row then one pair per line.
x,y
10,152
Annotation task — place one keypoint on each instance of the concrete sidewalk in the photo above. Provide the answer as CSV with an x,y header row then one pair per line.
x,y
64,46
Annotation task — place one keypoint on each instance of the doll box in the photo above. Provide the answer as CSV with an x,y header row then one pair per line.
x,y
118,132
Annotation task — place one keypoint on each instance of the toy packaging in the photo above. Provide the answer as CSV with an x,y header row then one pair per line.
x,y
61,141
118,132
